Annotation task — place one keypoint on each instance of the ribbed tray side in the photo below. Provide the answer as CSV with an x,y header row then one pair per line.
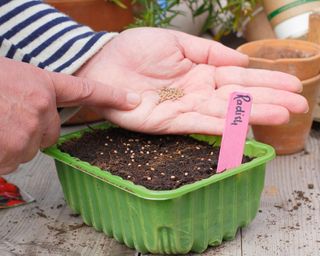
x,y
188,223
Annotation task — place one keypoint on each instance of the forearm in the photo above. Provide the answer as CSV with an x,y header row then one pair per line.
x,y
34,32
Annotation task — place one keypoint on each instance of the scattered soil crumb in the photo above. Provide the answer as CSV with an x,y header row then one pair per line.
x,y
41,214
305,152
310,186
75,215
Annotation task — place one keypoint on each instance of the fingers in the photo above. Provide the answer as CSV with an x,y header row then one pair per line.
x,y
261,114
51,134
295,103
200,50
71,91
257,78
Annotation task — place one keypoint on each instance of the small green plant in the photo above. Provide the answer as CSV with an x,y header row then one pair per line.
x,y
224,15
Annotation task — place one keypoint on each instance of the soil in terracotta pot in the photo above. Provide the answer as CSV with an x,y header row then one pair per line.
x,y
283,53
157,162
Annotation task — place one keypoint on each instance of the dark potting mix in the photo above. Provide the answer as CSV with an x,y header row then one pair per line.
x,y
157,162
283,53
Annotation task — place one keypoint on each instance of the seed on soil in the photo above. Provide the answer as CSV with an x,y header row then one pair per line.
x,y
148,178
170,94
197,148
101,153
115,151
164,170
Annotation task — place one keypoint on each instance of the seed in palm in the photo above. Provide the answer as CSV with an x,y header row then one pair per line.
x,y
170,94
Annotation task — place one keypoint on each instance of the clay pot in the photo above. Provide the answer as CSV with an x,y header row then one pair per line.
x,y
97,14
100,15
299,58
296,57
257,27
290,138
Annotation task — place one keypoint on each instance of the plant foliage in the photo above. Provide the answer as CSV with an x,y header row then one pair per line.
x,y
224,16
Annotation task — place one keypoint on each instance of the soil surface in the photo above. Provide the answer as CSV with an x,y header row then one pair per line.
x,y
284,53
158,162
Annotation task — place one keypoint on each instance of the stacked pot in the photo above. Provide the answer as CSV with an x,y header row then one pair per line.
x,y
301,59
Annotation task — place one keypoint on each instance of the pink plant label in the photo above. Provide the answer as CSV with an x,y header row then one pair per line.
x,y
235,132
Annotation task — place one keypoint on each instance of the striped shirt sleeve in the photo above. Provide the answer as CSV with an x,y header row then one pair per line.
x,y
34,32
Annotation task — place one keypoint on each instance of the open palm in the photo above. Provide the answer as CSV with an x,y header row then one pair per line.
x,y
147,60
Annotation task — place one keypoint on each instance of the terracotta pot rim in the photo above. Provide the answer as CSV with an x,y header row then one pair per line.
x,y
282,42
311,80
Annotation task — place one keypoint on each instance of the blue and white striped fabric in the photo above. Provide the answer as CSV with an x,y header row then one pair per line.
x,y
34,32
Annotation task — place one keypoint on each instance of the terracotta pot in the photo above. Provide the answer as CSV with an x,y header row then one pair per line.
x,y
257,27
97,14
304,63
270,54
291,138
100,15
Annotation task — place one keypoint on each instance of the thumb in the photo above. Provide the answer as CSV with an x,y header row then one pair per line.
x,y
73,91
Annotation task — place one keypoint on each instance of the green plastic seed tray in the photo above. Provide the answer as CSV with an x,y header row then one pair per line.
x,y
189,218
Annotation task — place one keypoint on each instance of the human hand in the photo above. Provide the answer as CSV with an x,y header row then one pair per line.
x,y
149,59
28,107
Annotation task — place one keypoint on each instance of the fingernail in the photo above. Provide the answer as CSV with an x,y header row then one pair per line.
x,y
133,98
